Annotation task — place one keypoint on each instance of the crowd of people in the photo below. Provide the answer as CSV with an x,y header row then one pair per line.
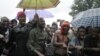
x,y
35,38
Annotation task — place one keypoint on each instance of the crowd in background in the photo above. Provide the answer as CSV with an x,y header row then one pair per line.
x,y
35,38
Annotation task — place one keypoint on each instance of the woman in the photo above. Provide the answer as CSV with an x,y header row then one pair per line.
x,y
77,43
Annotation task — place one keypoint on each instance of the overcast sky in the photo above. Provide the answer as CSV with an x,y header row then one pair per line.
x,y
8,8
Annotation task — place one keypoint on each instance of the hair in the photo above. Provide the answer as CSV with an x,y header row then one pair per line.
x,y
41,19
3,19
33,23
54,23
96,29
87,29
81,27
14,20
61,22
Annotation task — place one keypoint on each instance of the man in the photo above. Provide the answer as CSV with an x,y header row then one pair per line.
x,y
5,32
13,23
37,38
5,23
92,43
61,39
2,39
54,26
18,37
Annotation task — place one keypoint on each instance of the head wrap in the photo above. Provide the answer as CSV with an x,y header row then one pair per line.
x,y
65,23
20,14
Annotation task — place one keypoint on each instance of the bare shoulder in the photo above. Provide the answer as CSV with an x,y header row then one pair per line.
x,y
58,32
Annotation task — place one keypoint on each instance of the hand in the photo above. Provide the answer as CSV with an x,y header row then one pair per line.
x,y
64,45
41,55
5,51
1,36
78,47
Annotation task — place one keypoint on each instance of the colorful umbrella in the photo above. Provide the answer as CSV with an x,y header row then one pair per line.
x,y
38,4
41,13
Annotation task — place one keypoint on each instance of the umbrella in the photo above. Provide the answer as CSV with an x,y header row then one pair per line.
x,y
38,4
77,18
41,13
90,17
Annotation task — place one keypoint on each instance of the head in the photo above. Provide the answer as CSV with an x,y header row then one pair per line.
x,y
48,25
95,31
58,20
81,31
36,16
41,23
54,26
5,22
48,29
88,30
35,20
21,17
13,23
65,26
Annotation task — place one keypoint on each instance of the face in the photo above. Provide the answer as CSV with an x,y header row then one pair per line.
x,y
22,20
54,28
41,23
66,29
14,24
81,32
6,23
95,32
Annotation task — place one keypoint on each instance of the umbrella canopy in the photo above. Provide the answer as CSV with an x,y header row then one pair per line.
x,y
38,4
90,17
77,18
41,13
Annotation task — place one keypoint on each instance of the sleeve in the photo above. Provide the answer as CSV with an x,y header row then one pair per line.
x,y
30,43
72,42
86,42
11,38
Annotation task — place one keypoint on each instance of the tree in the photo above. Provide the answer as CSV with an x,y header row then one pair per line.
x,y
82,5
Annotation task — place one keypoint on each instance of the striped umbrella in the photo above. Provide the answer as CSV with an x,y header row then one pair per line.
x,y
77,18
90,17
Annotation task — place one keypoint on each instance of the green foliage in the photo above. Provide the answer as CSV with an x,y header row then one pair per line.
x,y
82,5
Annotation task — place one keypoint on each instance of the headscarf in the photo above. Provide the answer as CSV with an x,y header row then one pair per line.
x,y
20,14
64,24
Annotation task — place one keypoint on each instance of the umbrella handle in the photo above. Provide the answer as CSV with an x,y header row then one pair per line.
x,y
35,11
24,10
